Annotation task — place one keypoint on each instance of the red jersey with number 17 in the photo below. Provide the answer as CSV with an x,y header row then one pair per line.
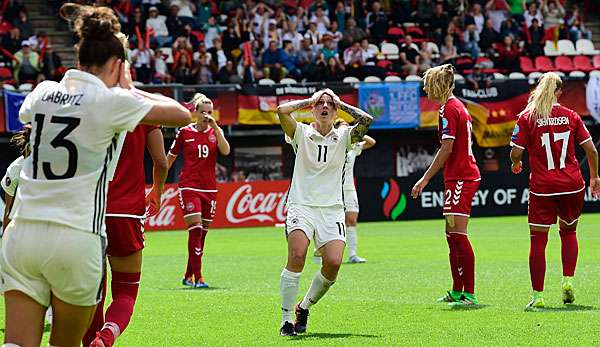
x,y
127,190
456,123
551,145
199,150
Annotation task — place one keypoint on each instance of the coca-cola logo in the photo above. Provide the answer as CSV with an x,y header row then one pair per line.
x,y
166,216
244,206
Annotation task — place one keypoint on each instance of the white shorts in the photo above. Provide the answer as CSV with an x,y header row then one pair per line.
x,y
350,201
323,224
42,258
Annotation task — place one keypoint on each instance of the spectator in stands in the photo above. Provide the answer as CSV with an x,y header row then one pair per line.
x,y
231,40
203,70
578,31
185,10
448,52
136,28
280,17
272,33
228,74
306,59
471,41
52,67
553,13
124,10
454,30
292,35
488,37
497,11
146,4
158,24
509,27
23,25
340,15
532,12
301,19
369,53
271,59
321,21
203,12
27,65
354,60
377,23
333,71
161,71
508,55
218,56
475,17
174,23
312,34
243,25
211,31
439,23
141,58
335,34
8,35
535,46
425,12
410,56
517,8
352,33
289,61
261,14
478,79
202,54
322,4
426,54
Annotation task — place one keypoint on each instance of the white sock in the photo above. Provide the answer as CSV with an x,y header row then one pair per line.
x,y
319,286
288,288
351,240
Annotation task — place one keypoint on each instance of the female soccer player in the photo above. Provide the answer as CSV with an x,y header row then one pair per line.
x,y
53,251
198,143
315,205
549,132
125,214
350,196
461,180
10,181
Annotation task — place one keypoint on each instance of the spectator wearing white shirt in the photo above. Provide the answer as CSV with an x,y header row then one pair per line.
x,y
158,24
335,34
142,61
161,71
321,20
532,12
211,31
217,53
293,36
313,35
186,8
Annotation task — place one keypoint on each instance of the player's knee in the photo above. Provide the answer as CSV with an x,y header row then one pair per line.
x,y
351,221
297,256
332,264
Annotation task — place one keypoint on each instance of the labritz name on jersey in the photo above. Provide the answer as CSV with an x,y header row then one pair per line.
x,y
57,97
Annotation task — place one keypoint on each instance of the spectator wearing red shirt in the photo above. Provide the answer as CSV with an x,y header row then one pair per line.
x,y
508,55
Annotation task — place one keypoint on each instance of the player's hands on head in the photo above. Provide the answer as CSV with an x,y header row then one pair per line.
x,y
595,186
153,201
418,187
517,168
125,80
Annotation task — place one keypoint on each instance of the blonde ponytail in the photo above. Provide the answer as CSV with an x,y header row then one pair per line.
x,y
543,97
200,98
439,82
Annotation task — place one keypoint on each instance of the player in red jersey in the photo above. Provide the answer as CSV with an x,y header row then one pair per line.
x,y
198,143
550,132
461,180
125,215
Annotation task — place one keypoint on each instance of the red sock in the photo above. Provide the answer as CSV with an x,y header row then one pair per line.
x,y
569,251
124,288
195,250
466,261
98,319
457,283
202,241
537,259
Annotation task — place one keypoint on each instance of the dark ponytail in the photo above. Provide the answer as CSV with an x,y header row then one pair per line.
x,y
20,140
99,33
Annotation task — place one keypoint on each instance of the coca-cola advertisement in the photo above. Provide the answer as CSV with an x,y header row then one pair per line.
x,y
239,204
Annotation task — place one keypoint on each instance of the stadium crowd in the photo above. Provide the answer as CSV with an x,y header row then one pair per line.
x,y
231,41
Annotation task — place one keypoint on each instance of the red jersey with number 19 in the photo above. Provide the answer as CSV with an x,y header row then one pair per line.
x,y
551,145
199,150
455,123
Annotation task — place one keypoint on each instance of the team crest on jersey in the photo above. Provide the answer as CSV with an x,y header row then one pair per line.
x,y
335,139
294,221
7,181
190,206
212,138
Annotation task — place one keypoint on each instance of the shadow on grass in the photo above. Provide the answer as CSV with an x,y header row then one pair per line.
x,y
201,289
567,308
467,308
331,336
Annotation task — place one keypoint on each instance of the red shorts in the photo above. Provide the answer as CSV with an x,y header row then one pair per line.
x,y
198,203
543,210
458,197
125,235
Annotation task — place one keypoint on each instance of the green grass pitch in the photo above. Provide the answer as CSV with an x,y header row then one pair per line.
x,y
388,301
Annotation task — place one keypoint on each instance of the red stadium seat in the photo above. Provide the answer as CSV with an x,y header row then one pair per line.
x,y
582,63
396,31
564,64
415,32
544,64
5,74
596,62
384,64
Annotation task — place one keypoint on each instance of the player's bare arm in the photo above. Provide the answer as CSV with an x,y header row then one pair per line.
x,y
284,111
438,162
592,157
8,199
222,142
368,142
363,120
160,168
516,155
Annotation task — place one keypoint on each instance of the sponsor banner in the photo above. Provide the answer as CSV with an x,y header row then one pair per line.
x,y
394,105
239,204
390,199
258,105
12,104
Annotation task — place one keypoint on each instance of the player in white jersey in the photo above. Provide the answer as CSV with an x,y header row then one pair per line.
x,y
350,196
315,205
53,249
10,181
